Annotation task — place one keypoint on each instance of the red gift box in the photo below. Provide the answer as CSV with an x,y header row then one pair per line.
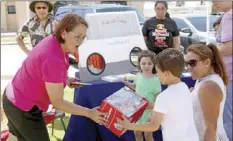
x,y
123,102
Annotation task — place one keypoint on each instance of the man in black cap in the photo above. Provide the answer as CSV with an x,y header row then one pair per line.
x,y
39,26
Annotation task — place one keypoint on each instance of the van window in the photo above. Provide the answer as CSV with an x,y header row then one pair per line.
x,y
80,12
60,13
61,3
180,23
87,11
200,22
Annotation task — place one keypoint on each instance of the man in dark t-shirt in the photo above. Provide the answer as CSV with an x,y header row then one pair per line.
x,y
159,34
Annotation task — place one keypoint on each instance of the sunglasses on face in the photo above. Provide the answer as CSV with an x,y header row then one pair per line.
x,y
191,63
42,7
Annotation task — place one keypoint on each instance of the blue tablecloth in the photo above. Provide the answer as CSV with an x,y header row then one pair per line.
x,y
84,129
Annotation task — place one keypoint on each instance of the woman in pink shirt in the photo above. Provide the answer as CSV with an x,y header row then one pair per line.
x,y
40,81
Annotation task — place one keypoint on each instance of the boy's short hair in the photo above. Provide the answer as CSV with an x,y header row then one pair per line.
x,y
170,60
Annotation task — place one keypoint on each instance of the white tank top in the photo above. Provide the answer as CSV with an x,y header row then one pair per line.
x,y
198,115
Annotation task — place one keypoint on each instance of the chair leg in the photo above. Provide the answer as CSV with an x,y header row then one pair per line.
x,y
63,124
52,127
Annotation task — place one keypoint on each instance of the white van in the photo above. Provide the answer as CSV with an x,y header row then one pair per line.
x,y
112,39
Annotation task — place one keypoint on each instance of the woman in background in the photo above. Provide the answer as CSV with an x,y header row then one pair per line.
x,y
161,32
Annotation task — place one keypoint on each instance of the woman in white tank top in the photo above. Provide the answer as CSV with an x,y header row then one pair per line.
x,y
209,93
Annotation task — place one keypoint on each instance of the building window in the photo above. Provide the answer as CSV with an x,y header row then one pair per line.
x,y
11,9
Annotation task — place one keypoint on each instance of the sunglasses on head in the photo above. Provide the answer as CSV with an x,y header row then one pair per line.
x,y
191,63
42,7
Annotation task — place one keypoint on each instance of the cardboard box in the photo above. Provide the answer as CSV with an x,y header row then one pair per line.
x,y
123,102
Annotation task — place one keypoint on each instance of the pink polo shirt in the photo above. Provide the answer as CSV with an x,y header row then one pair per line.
x,y
46,63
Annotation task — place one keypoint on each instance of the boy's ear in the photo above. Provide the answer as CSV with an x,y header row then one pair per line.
x,y
167,73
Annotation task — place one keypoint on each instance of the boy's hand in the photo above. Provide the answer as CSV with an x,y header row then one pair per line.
x,y
124,123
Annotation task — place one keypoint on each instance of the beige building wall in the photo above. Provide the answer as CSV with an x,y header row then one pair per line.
x,y
22,13
137,4
3,16
12,22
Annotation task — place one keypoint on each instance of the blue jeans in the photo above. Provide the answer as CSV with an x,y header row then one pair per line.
x,y
227,114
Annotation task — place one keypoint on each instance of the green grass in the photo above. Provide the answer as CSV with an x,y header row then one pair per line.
x,y
59,133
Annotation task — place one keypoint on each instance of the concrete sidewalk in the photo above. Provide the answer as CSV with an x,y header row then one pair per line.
x,y
9,39
8,34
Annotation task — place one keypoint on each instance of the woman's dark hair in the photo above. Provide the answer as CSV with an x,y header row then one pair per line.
x,y
68,23
217,22
165,5
146,53
211,52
